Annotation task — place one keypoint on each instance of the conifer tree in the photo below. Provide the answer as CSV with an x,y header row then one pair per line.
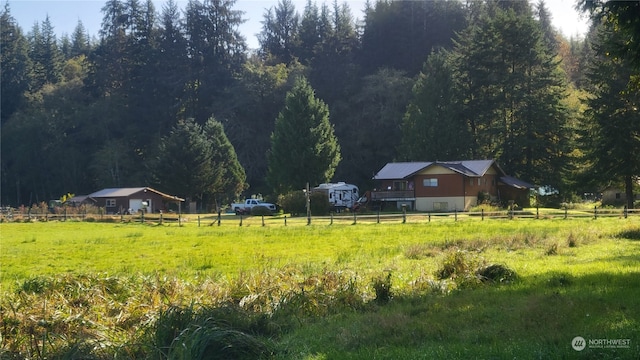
x,y
433,128
514,94
304,147
611,137
229,176
15,64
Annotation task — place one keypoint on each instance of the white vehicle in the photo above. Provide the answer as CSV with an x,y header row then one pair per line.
x,y
248,204
341,195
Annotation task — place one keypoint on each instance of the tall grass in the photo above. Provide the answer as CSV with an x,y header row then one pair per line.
x,y
435,290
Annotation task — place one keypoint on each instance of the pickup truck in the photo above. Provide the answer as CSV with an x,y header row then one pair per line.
x,y
248,204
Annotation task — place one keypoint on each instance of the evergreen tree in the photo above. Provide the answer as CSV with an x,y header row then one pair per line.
x,y
110,61
185,162
515,93
303,145
279,36
229,176
623,17
80,42
549,34
433,127
611,138
172,68
257,99
46,56
15,64
216,51
200,162
46,147
309,33
402,34
372,127
333,70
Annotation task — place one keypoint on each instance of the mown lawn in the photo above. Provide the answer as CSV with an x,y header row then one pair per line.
x,y
324,292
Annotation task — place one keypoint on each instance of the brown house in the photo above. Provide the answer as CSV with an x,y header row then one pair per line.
x,y
132,200
447,186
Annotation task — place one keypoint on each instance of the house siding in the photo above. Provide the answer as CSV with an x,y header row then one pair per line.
x,y
122,203
436,203
445,186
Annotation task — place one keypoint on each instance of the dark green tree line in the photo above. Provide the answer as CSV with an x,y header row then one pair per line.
x,y
103,106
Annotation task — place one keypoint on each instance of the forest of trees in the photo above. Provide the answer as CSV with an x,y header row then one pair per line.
x,y
173,97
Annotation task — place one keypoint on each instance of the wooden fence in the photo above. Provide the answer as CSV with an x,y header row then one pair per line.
x,y
342,218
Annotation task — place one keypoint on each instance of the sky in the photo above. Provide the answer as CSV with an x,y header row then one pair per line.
x,y
65,14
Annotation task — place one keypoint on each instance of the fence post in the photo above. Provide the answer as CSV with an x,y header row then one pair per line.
x,y
240,219
160,218
142,216
565,212
262,220
65,213
198,220
355,220
404,213
482,214
625,212
331,218
219,217
378,217
285,220
537,212
455,214
595,212
429,216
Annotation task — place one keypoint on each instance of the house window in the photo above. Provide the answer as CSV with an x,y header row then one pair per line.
x,y
111,203
430,182
399,185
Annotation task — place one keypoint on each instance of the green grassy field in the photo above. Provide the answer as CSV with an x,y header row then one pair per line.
x,y
384,291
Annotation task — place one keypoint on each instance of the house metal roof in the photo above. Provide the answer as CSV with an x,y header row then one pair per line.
x,y
124,192
402,170
516,183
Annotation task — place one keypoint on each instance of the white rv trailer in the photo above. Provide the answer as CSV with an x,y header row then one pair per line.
x,y
341,195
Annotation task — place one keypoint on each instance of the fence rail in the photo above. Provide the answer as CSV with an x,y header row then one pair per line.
x,y
342,218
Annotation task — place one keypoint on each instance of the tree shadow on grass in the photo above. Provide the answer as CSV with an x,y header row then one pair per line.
x,y
630,234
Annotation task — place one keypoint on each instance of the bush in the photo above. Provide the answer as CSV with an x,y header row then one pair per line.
x,y
496,273
382,288
456,264
319,204
484,198
260,211
293,202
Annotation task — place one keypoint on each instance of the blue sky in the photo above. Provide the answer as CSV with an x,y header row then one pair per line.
x,y
64,14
